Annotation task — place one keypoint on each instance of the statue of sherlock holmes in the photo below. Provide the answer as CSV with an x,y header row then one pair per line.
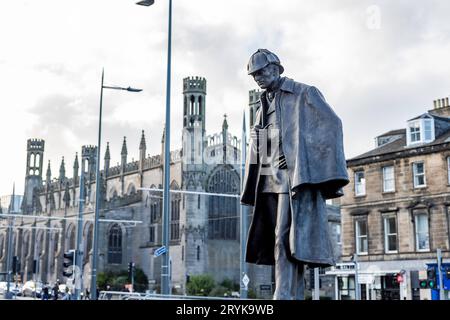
x,y
295,162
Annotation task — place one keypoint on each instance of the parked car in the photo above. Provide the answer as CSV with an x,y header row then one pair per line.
x,y
32,288
15,289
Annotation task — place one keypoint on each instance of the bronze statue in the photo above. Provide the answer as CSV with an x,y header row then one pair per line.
x,y
295,162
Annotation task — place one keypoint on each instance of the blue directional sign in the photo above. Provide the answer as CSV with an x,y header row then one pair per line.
x,y
160,251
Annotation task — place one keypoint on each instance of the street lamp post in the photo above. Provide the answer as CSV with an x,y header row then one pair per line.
x,y
8,294
165,277
97,187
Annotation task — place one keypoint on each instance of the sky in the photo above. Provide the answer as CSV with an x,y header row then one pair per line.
x,y
378,63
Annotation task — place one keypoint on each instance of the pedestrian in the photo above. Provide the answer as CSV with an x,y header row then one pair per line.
x,y
45,293
67,294
55,291
87,294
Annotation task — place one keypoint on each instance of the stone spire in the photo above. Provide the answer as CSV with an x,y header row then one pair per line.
x,y
107,157
75,169
124,153
224,137
62,171
225,123
49,173
143,145
107,153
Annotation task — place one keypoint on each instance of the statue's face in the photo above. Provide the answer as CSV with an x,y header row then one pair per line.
x,y
267,76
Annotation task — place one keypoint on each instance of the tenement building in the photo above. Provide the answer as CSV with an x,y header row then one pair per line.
x,y
395,211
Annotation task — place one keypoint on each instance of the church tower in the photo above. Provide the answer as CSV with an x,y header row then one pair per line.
x,y
193,213
194,92
33,175
253,103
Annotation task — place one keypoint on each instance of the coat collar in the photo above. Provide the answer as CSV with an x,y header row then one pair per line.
x,y
287,85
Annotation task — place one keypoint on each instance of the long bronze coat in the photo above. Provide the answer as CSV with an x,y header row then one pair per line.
x,y
312,142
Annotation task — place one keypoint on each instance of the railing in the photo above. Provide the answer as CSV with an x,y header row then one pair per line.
x,y
118,295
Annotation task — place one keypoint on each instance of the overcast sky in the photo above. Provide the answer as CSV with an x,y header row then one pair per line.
x,y
378,63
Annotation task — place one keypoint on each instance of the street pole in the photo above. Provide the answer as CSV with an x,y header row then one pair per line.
x,y
78,272
97,202
316,284
165,277
441,285
244,217
10,248
355,260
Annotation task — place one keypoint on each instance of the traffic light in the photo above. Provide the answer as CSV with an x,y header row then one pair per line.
x,y
15,265
431,278
35,265
130,270
423,283
398,278
68,264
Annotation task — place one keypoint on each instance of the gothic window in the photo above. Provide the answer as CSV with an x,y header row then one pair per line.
x,y
200,105
115,245
40,244
56,241
72,238
155,210
175,213
152,234
88,238
223,211
26,244
131,189
192,105
32,160
2,244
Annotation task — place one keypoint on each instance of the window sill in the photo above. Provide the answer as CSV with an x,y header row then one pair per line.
x,y
360,196
420,187
362,253
391,252
423,250
388,192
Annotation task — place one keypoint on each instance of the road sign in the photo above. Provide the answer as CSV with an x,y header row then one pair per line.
x,y
245,280
160,251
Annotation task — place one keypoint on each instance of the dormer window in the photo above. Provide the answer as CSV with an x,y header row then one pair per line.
x,y
420,130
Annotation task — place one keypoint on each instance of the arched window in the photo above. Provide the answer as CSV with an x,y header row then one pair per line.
x,y
223,211
192,103
26,245
175,212
32,160
2,245
131,189
88,241
56,241
200,105
70,244
198,252
40,244
115,245
37,160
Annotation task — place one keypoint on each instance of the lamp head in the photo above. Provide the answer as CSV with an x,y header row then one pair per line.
x,y
146,3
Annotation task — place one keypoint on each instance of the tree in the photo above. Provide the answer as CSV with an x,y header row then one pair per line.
x,y
200,285
117,280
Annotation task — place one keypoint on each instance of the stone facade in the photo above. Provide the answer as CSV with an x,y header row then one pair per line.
x,y
395,211
204,230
